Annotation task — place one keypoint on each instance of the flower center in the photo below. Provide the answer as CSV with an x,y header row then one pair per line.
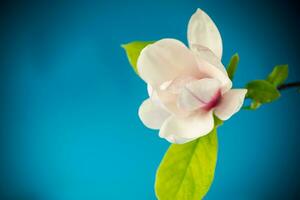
x,y
213,102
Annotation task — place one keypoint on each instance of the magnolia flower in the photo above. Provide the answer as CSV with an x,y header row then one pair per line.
x,y
187,86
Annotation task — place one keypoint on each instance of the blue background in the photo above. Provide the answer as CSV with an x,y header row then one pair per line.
x,y
69,124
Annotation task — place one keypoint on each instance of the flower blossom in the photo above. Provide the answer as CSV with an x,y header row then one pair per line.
x,y
187,86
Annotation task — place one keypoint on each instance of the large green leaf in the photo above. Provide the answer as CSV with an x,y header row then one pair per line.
x,y
187,170
262,91
232,65
133,50
278,75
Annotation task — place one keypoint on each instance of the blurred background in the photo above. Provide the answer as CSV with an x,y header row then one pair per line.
x,y
69,99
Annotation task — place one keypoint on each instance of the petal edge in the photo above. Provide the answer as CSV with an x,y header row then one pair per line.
x,y
231,103
164,60
203,31
187,128
152,115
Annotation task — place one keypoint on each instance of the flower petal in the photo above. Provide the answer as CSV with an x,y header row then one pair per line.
x,y
203,31
174,139
198,93
153,95
208,70
231,103
164,60
183,129
149,90
169,102
168,94
152,115
207,55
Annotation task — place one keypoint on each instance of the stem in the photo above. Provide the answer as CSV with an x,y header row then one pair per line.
x,y
289,85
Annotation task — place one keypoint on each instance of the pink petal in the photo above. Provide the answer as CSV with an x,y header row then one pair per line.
x,y
198,94
210,71
152,115
207,55
168,93
203,31
165,60
231,103
183,129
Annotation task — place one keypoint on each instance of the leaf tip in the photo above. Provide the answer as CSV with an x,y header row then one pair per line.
x,y
123,46
236,55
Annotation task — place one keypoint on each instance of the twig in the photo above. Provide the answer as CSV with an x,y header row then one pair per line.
x,y
289,85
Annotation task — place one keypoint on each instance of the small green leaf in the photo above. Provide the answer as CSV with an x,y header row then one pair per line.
x,y
232,65
133,50
255,105
187,170
218,122
262,91
247,108
278,75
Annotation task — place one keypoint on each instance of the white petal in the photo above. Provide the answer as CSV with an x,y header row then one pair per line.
x,y
177,139
153,95
149,90
175,86
165,60
169,102
203,31
198,93
207,55
231,103
180,130
208,70
168,93
152,115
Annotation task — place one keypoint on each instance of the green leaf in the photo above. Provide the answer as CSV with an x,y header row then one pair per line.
x,y
218,122
262,91
133,50
247,108
255,105
232,65
278,75
187,170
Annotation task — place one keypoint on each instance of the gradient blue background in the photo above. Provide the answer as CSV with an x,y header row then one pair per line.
x,y
69,124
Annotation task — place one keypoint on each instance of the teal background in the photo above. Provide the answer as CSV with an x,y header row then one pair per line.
x,y
69,99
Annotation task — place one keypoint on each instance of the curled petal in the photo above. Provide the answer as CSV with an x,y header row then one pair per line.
x,y
149,90
231,103
198,93
183,129
169,101
164,60
206,54
152,115
174,139
208,70
203,31
153,95
168,94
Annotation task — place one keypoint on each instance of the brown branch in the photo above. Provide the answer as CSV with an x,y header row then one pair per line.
x,y
289,85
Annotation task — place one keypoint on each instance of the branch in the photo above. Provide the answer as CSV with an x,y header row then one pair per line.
x,y
289,85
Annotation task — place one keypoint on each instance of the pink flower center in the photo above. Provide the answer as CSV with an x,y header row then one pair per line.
x,y
213,102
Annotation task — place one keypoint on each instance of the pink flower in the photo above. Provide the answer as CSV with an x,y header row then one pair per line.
x,y
187,86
